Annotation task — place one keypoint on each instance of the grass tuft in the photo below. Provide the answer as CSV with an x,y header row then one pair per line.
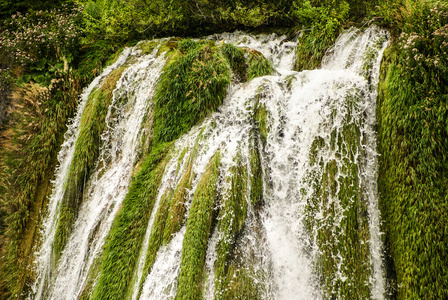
x,y
190,88
199,225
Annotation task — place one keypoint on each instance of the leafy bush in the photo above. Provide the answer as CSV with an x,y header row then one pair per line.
x,y
321,23
133,20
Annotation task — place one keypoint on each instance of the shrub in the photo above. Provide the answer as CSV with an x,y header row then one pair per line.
x,y
320,23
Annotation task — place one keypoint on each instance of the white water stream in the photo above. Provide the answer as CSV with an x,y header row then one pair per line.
x,y
301,106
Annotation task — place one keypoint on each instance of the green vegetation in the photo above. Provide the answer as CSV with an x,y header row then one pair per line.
x,y
231,218
322,22
126,236
258,65
27,160
61,45
191,87
237,61
172,212
240,285
118,20
199,225
261,115
341,231
413,119
256,176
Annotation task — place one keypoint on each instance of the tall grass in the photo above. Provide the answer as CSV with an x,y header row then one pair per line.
x,y
199,225
28,155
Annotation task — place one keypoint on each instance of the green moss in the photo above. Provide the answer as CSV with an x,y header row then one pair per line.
x,y
258,65
341,231
126,236
191,87
86,153
412,118
240,285
147,47
89,285
176,217
199,226
261,115
178,207
237,61
180,158
156,237
231,218
256,178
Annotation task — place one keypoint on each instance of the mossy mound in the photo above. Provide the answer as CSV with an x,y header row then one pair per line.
x,y
193,84
199,225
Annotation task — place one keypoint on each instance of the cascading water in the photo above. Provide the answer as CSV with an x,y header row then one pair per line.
x,y
288,164
108,184
44,261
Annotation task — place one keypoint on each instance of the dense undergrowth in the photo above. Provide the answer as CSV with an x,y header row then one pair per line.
x,y
28,151
62,45
413,119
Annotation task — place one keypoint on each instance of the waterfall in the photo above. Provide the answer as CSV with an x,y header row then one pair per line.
x,y
283,174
